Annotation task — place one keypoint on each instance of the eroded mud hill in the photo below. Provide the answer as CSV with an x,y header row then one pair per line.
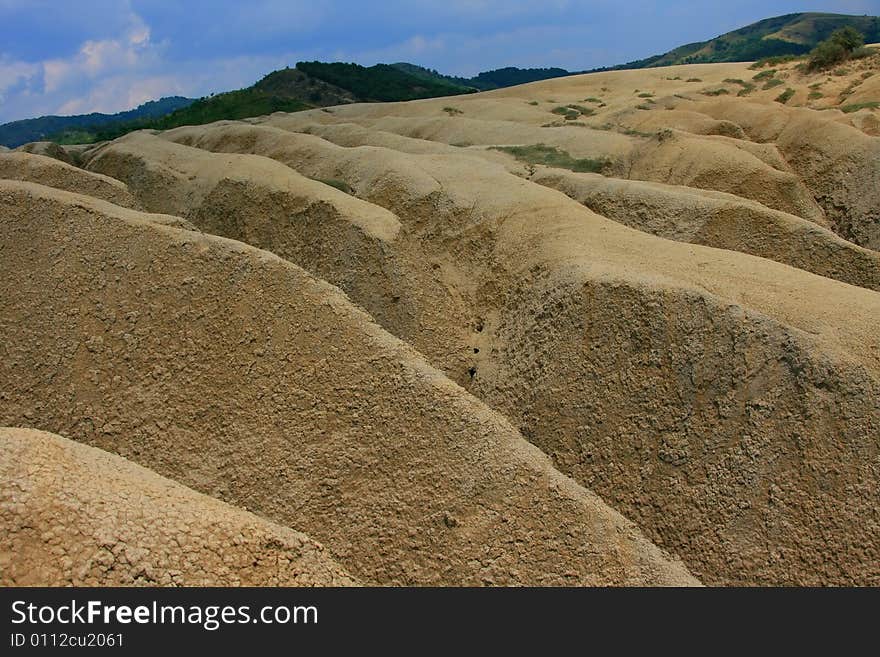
x,y
236,373
623,323
73,515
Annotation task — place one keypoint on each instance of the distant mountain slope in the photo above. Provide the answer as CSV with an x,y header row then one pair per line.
x,y
310,84
791,34
501,77
382,82
295,84
21,132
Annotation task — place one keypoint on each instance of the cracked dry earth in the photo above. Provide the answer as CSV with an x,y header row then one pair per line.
x,y
468,367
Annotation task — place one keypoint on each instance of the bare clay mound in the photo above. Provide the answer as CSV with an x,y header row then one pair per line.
x,y
61,175
727,402
721,220
73,515
839,163
238,374
721,165
47,149
358,246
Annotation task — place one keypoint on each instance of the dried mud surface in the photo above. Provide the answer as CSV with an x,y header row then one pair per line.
x,y
451,361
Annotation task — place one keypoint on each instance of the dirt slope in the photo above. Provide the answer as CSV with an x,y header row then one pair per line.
x,y
728,404
47,149
839,163
236,373
726,364
355,245
73,515
54,173
720,220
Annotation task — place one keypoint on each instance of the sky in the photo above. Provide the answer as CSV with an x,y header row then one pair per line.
x,y
73,57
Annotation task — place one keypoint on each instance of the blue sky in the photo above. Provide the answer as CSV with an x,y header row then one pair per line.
x,y
70,57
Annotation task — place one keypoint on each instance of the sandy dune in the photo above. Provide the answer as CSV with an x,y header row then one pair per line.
x,y
690,334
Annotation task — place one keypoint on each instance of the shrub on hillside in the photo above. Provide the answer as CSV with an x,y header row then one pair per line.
x,y
827,54
848,37
836,49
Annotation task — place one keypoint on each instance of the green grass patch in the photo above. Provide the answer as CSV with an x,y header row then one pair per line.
x,y
567,113
452,111
862,52
715,92
772,82
553,157
774,61
341,185
763,75
592,99
646,94
533,102
855,107
747,87
694,80
813,95
785,96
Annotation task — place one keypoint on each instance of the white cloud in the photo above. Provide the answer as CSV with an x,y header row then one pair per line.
x,y
13,73
104,75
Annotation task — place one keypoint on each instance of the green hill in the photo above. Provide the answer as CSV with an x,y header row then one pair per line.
x,y
310,84
495,79
792,34
382,82
21,132
231,105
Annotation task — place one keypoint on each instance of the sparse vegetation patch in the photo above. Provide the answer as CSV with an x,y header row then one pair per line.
x,y
341,185
855,107
553,157
836,49
785,96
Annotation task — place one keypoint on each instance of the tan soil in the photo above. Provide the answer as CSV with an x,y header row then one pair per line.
x,y
74,515
625,325
54,173
236,373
